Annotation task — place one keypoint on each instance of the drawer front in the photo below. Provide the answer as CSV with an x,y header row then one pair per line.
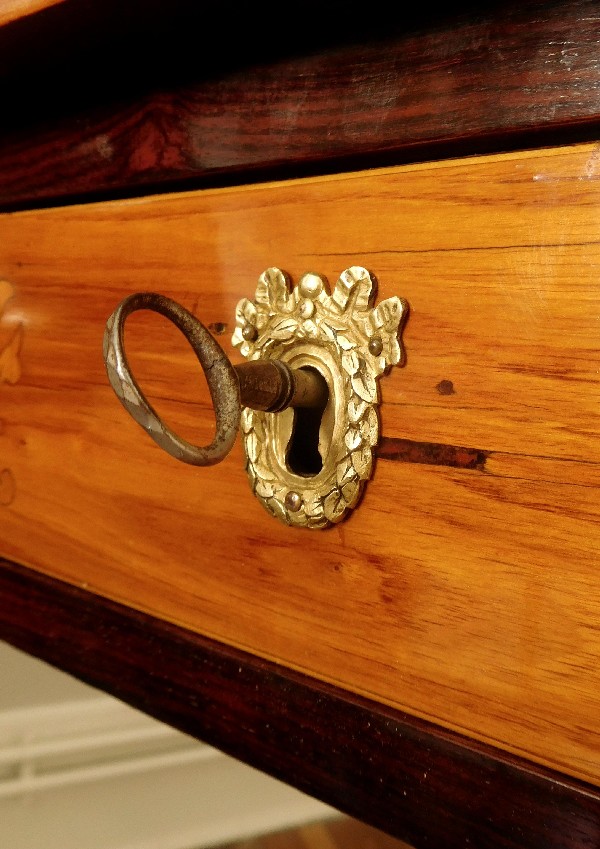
x,y
464,588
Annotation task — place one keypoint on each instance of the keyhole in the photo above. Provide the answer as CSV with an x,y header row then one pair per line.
x,y
303,456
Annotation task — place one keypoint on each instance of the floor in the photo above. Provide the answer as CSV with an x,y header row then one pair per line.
x,y
338,833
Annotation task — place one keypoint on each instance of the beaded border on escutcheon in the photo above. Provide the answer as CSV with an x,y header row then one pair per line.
x,y
361,342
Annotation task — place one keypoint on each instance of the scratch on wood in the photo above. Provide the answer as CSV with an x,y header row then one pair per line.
x,y
431,453
8,487
10,363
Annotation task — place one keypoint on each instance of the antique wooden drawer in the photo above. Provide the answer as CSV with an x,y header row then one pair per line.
x,y
462,588
430,663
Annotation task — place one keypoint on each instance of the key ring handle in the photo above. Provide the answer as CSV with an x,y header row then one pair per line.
x,y
220,374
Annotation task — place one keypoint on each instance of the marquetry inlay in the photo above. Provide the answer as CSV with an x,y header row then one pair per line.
x,y
10,372
10,347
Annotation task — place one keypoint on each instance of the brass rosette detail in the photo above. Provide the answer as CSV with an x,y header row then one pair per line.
x,y
351,343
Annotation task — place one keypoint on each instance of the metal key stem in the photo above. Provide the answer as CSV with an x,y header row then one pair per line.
x,y
272,386
267,385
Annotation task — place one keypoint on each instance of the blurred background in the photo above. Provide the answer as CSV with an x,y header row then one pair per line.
x,y
81,770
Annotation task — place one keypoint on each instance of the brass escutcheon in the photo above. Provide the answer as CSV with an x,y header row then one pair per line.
x,y
350,343
306,399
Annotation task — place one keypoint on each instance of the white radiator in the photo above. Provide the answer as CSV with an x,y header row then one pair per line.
x,y
96,774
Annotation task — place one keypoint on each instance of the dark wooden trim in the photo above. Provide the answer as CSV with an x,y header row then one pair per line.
x,y
108,99
411,779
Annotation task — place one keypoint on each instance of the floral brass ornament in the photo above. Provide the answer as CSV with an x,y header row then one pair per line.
x,y
351,343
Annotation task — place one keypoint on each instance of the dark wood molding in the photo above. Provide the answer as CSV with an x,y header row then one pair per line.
x,y
105,99
411,779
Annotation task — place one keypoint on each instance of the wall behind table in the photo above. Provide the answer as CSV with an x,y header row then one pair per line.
x,y
81,769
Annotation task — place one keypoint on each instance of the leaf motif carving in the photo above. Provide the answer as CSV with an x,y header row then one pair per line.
x,y
309,328
351,491
356,409
245,311
370,427
364,382
252,447
258,422
313,506
350,362
326,331
251,476
247,420
334,505
263,473
284,329
385,321
362,460
344,472
263,488
355,287
353,438
345,343
273,289
276,508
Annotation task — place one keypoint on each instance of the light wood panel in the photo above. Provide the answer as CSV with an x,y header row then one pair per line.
x,y
466,593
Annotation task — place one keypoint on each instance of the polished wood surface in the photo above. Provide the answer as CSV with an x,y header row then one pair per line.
x,y
251,99
412,779
463,589
339,833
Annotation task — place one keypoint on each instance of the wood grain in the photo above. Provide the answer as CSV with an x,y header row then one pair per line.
x,y
398,84
462,594
340,833
416,781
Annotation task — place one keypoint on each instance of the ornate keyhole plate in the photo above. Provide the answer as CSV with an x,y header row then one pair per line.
x,y
351,343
